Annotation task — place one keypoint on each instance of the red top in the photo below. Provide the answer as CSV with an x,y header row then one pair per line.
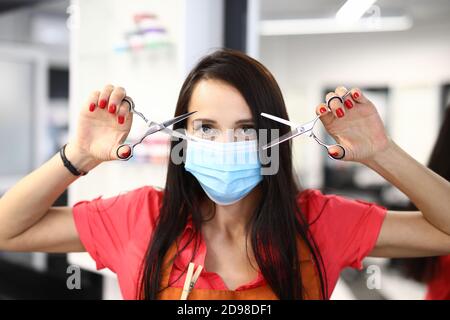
x,y
439,286
116,232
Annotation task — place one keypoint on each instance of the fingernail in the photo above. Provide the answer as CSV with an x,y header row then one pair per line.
x,y
92,107
121,119
322,110
125,154
348,104
339,112
355,95
102,103
112,108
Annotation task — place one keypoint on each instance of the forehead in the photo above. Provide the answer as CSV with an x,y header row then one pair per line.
x,y
218,100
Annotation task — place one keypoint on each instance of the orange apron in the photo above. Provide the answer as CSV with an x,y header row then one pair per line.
x,y
309,275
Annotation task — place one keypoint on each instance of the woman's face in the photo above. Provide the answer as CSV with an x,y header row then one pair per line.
x,y
222,113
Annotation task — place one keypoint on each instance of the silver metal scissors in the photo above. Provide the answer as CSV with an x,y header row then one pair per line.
x,y
153,128
307,127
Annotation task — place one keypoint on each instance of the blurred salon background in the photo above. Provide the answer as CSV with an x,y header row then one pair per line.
x,y
53,53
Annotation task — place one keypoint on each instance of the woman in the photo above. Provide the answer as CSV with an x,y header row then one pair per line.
x,y
434,271
256,236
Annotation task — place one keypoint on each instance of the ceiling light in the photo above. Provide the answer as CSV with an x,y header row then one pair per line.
x,y
330,25
353,10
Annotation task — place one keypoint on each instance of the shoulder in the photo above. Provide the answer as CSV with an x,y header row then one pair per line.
x,y
151,195
145,192
140,205
314,204
143,203
310,197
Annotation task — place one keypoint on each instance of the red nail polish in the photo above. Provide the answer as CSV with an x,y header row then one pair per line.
x,y
121,119
348,104
356,95
92,107
125,154
334,154
102,103
339,112
112,108
322,110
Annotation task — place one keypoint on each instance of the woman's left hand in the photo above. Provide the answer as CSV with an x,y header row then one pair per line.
x,y
355,125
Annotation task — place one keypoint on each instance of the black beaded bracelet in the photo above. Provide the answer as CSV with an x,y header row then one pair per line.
x,y
68,164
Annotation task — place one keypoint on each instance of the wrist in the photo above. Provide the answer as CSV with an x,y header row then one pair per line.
x,y
383,156
80,159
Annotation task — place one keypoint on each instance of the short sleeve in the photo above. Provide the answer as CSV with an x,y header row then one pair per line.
x,y
105,226
345,230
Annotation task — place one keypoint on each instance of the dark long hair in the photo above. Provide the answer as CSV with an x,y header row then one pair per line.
x,y
424,269
277,221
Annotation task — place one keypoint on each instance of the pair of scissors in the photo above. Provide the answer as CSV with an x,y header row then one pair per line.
x,y
299,129
153,128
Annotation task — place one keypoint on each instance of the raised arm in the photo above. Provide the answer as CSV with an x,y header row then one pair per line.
x,y
27,220
413,233
358,127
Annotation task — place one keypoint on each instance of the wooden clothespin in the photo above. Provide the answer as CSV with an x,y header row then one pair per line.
x,y
191,279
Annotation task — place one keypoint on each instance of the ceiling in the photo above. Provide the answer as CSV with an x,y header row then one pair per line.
x,y
421,11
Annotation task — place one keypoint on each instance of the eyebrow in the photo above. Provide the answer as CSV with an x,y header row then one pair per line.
x,y
242,121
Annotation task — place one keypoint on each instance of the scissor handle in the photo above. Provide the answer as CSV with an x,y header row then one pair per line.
x,y
341,99
126,156
336,155
332,155
132,109
130,103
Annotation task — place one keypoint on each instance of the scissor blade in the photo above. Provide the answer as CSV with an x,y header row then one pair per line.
x,y
291,134
170,122
153,128
156,127
308,126
175,133
281,120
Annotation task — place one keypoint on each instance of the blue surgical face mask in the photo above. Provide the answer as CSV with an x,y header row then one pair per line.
x,y
227,171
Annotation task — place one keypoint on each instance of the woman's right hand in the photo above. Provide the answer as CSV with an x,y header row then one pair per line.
x,y
103,125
